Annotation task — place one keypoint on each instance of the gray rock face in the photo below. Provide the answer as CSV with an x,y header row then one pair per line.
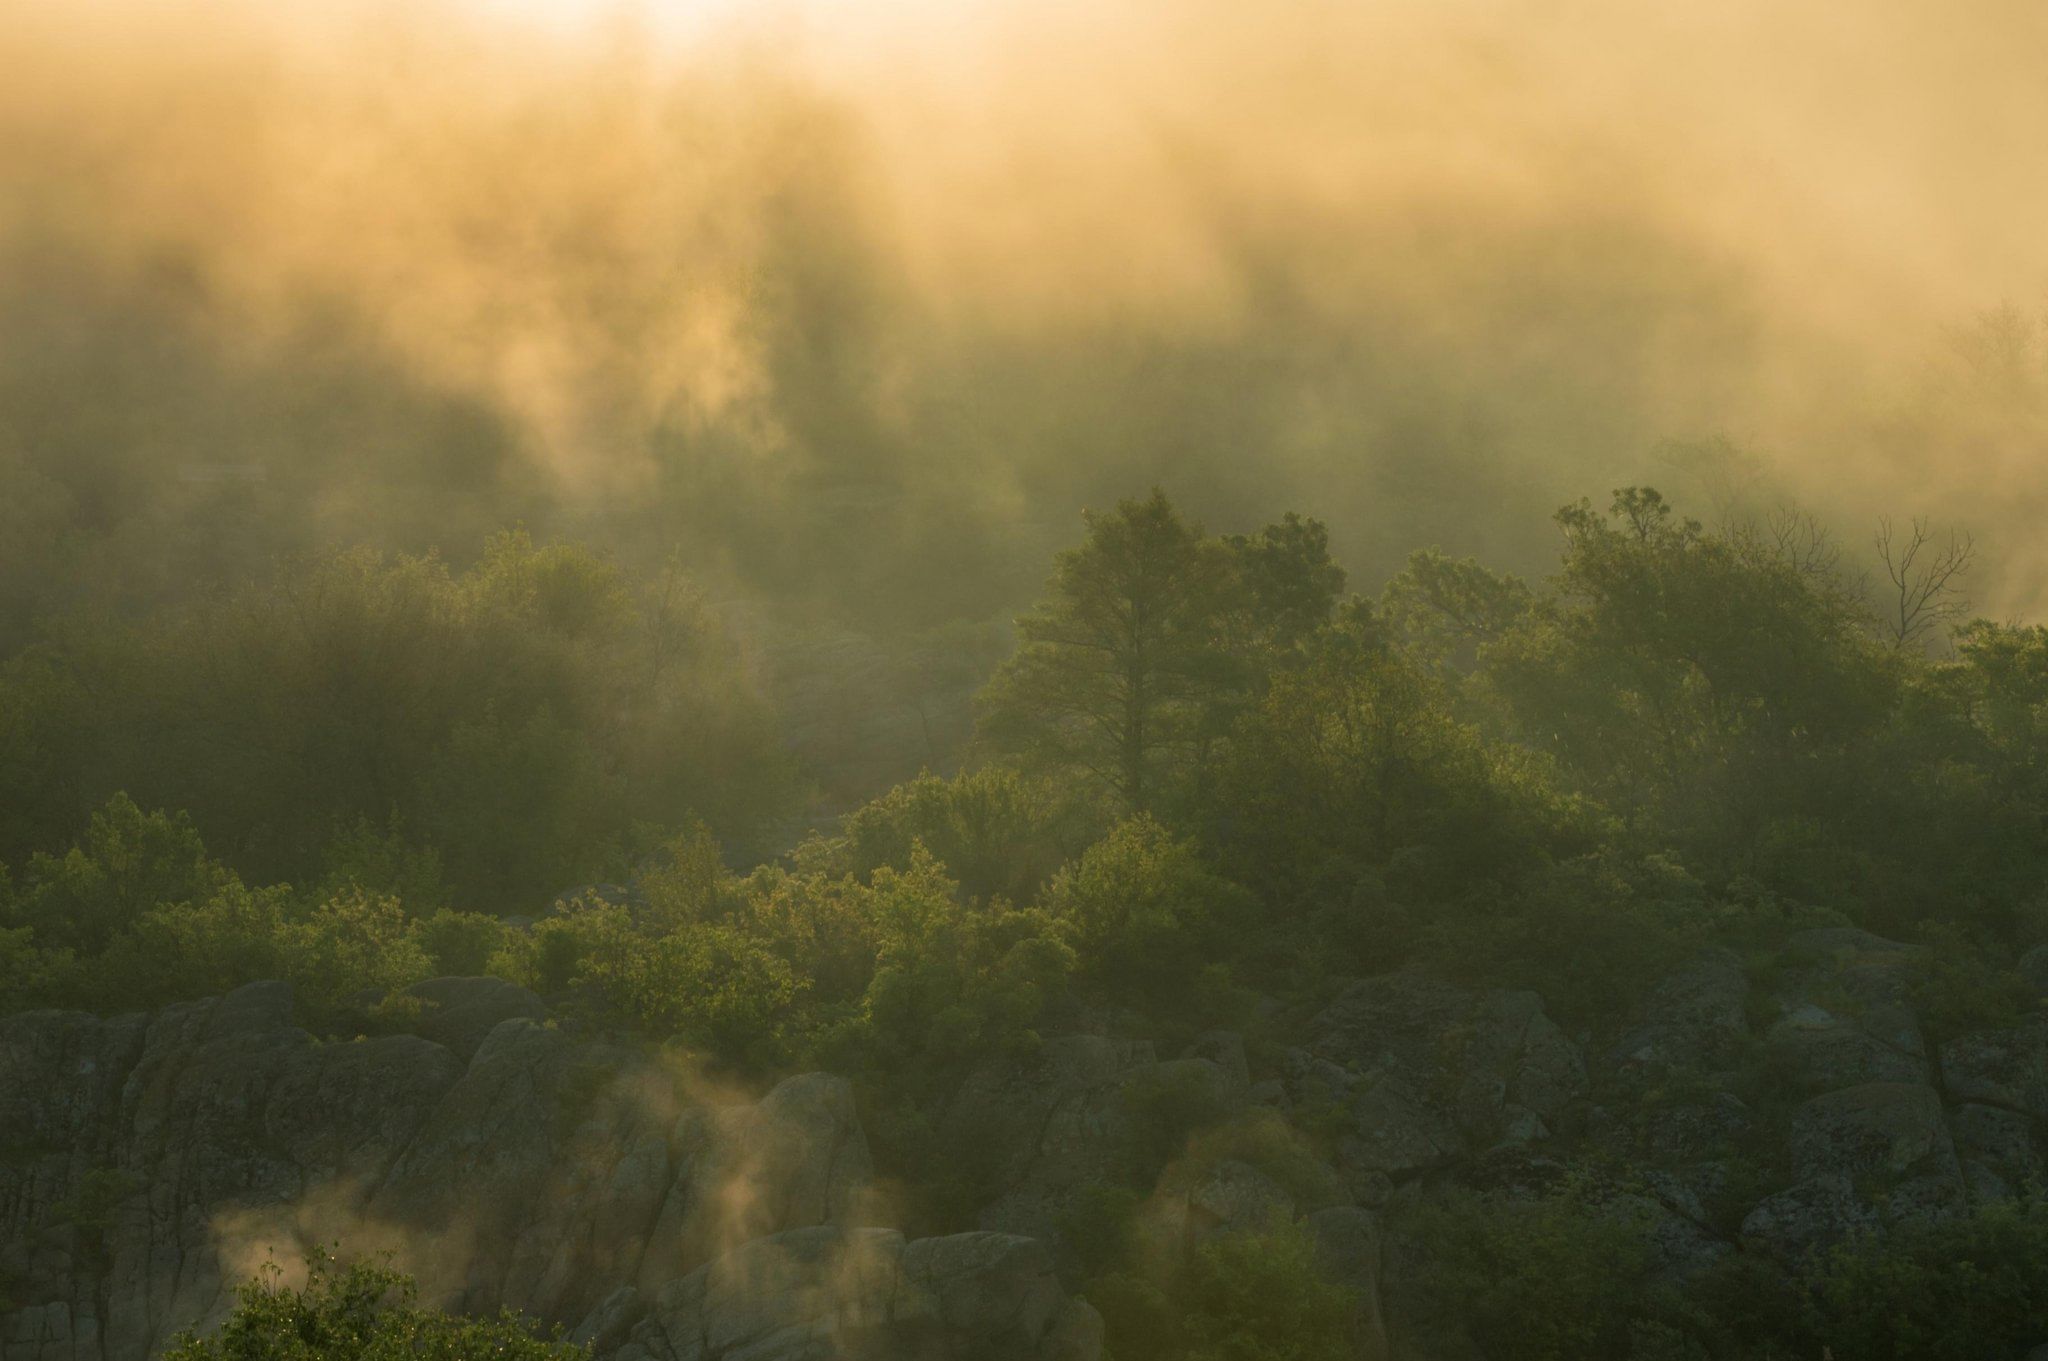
x,y
152,1162
1693,1020
1084,1111
1845,1012
2005,1068
1427,1072
1875,1154
457,1013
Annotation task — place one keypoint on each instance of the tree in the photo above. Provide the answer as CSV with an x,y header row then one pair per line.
x,y
1683,675
1448,608
1123,661
1923,581
1289,585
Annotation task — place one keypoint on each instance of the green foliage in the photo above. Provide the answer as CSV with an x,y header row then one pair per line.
x,y
1143,911
1287,583
1559,1277
709,984
682,884
1949,1291
1589,934
128,862
514,720
383,860
955,980
354,942
358,1313
1686,677
1354,756
184,950
1963,983
998,833
1258,1296
1957,1289
31,977
1444,610
461,944
1120,667
1263,1297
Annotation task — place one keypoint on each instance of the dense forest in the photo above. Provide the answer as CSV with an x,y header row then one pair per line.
x,y
1050,683
1208,786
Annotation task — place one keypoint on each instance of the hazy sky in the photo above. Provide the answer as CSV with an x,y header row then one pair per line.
x,y
1420,265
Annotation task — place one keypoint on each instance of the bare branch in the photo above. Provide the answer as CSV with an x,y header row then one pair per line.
x,y
1925,580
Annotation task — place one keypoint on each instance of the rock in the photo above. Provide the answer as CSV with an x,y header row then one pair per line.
x,y
153,1162
1879,1153
460,1012
2007,1068
2033,967
1427,1072
1694,1019
1845,1012
2000,1150
1084,1111
797,1158
1224,1049
1226,1196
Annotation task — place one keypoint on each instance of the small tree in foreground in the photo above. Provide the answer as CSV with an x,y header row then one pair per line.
x,y
358,1313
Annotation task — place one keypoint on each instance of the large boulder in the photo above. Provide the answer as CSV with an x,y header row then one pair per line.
x,y
1845,1012
1876,1154
459,1012
2005,1068
1083,1111
1695,1019
1426,1072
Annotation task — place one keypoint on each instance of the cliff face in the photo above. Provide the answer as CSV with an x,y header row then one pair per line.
x,y
149,1163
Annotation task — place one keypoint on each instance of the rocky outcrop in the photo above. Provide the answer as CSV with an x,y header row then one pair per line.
x,y
510,1159
1694,1020
1425,1073
1845,1014
1874,1154
148,1164
1083,1112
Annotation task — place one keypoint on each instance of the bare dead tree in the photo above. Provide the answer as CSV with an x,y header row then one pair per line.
x,y
1925,577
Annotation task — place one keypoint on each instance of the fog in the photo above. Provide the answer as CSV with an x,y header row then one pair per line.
x,y
855,307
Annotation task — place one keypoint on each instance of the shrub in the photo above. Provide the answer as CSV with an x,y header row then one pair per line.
x,y
358,1313
1558,1277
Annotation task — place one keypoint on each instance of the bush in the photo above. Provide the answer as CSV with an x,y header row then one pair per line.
x,y
354,942
1558,1277
462,944
1240,1297
1264,1297
710,984
1953,1291
128,862
358,1313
